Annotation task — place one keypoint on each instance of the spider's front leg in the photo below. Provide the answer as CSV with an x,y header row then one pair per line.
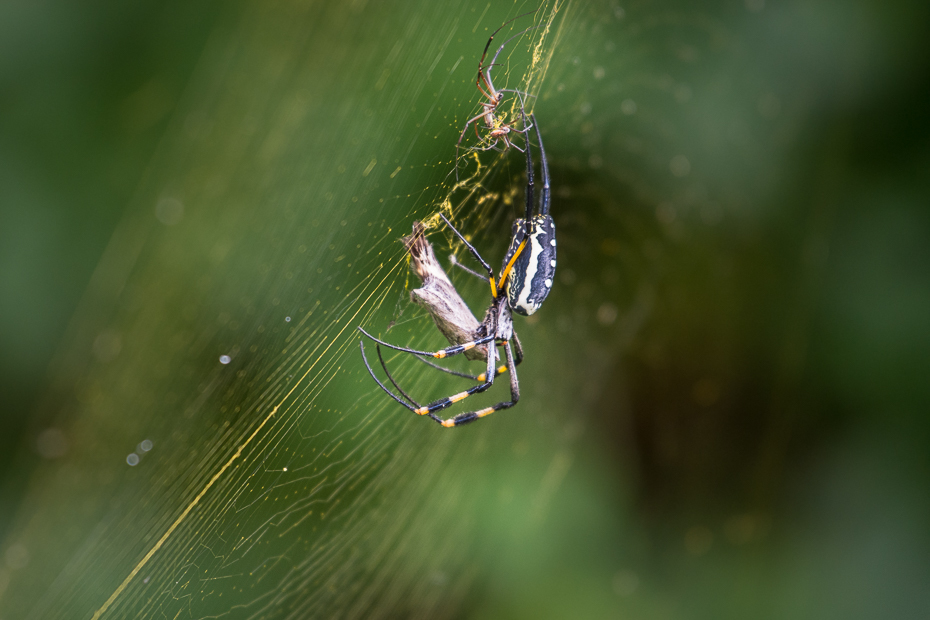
x,y
474,253
517,354
442,353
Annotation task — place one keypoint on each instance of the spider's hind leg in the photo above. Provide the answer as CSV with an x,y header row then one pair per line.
x,y
471,416
361,345
391,379
443,403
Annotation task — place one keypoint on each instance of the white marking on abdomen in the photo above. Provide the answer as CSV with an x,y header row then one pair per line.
x,y
523,301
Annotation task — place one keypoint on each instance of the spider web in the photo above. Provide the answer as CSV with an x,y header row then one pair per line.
x,y
272,479
269,476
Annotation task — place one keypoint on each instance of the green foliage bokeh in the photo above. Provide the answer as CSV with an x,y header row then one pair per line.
x,y
723,411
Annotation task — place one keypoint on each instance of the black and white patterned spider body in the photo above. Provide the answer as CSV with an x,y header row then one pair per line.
x,y
534,270
524,283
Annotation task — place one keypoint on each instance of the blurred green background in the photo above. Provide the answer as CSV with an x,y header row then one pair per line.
x,y
724,413
86,93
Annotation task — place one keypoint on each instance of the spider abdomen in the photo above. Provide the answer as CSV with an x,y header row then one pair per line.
x,y
531,278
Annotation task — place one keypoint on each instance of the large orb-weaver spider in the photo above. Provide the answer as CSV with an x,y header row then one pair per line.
x,y
526,278
498,128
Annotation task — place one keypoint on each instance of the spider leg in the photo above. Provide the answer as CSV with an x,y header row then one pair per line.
x,y
361,344
394,383
530,183
517,349
487,72
443,403
500,370
525,143
442,353
455,262
494,34
544,196
474,253
524,131
526,140
508,266
518,359
509,143
504,44
490,96
458,144
491,147
471,416
470,121
518,92
387,391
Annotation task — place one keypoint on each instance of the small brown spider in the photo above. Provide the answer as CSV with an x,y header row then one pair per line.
x,y
498,128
